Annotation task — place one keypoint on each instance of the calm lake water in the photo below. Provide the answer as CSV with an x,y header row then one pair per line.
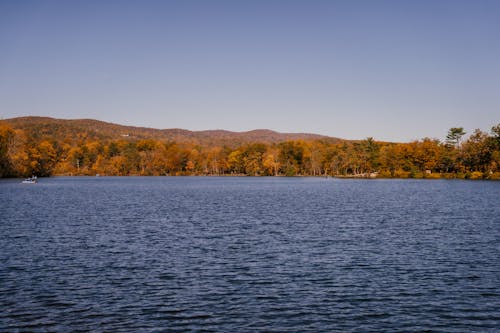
x,y
249,255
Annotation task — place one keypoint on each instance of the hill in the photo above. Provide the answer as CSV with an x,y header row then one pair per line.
x,y
58,129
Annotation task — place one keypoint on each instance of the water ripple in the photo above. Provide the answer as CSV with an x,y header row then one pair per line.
x,y
249,254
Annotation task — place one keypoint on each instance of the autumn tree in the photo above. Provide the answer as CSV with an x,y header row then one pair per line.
x,y
235,162
216,161
390,156
426,154
476,152
336,159
253,159
42,158
270,161
18,154
6,135
313,157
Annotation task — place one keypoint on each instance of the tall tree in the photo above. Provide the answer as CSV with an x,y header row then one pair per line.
x,y
454,136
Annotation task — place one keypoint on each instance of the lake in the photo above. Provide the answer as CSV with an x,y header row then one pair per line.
x,y
249,254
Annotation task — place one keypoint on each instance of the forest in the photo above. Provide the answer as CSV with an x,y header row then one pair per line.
x,y
56,148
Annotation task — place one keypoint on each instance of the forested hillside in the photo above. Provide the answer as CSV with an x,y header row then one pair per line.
x,y
46,146
62,129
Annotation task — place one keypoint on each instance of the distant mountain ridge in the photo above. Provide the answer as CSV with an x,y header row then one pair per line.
x,y
91,128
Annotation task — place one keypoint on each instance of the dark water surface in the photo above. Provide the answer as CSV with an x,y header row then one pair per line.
x,y
249,255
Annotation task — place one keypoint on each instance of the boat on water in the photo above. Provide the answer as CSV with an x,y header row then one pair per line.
x,y
31,180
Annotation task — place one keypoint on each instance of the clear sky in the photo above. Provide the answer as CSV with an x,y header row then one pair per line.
x,y
393,70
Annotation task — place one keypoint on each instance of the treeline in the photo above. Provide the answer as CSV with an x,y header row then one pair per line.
x,y
24,153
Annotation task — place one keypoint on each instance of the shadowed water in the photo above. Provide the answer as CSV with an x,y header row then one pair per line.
x,y
249,254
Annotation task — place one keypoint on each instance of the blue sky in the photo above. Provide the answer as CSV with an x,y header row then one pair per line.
x,y
393,70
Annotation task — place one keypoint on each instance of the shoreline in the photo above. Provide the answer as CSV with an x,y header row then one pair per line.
x,y
447,176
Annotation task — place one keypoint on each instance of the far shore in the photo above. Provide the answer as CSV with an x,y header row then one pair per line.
x,y
372,176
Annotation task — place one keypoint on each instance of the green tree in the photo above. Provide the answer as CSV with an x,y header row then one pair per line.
x,y
495,131
370,154
291,157
454,136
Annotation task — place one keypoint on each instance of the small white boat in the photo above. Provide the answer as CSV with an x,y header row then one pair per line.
x,y
31,180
